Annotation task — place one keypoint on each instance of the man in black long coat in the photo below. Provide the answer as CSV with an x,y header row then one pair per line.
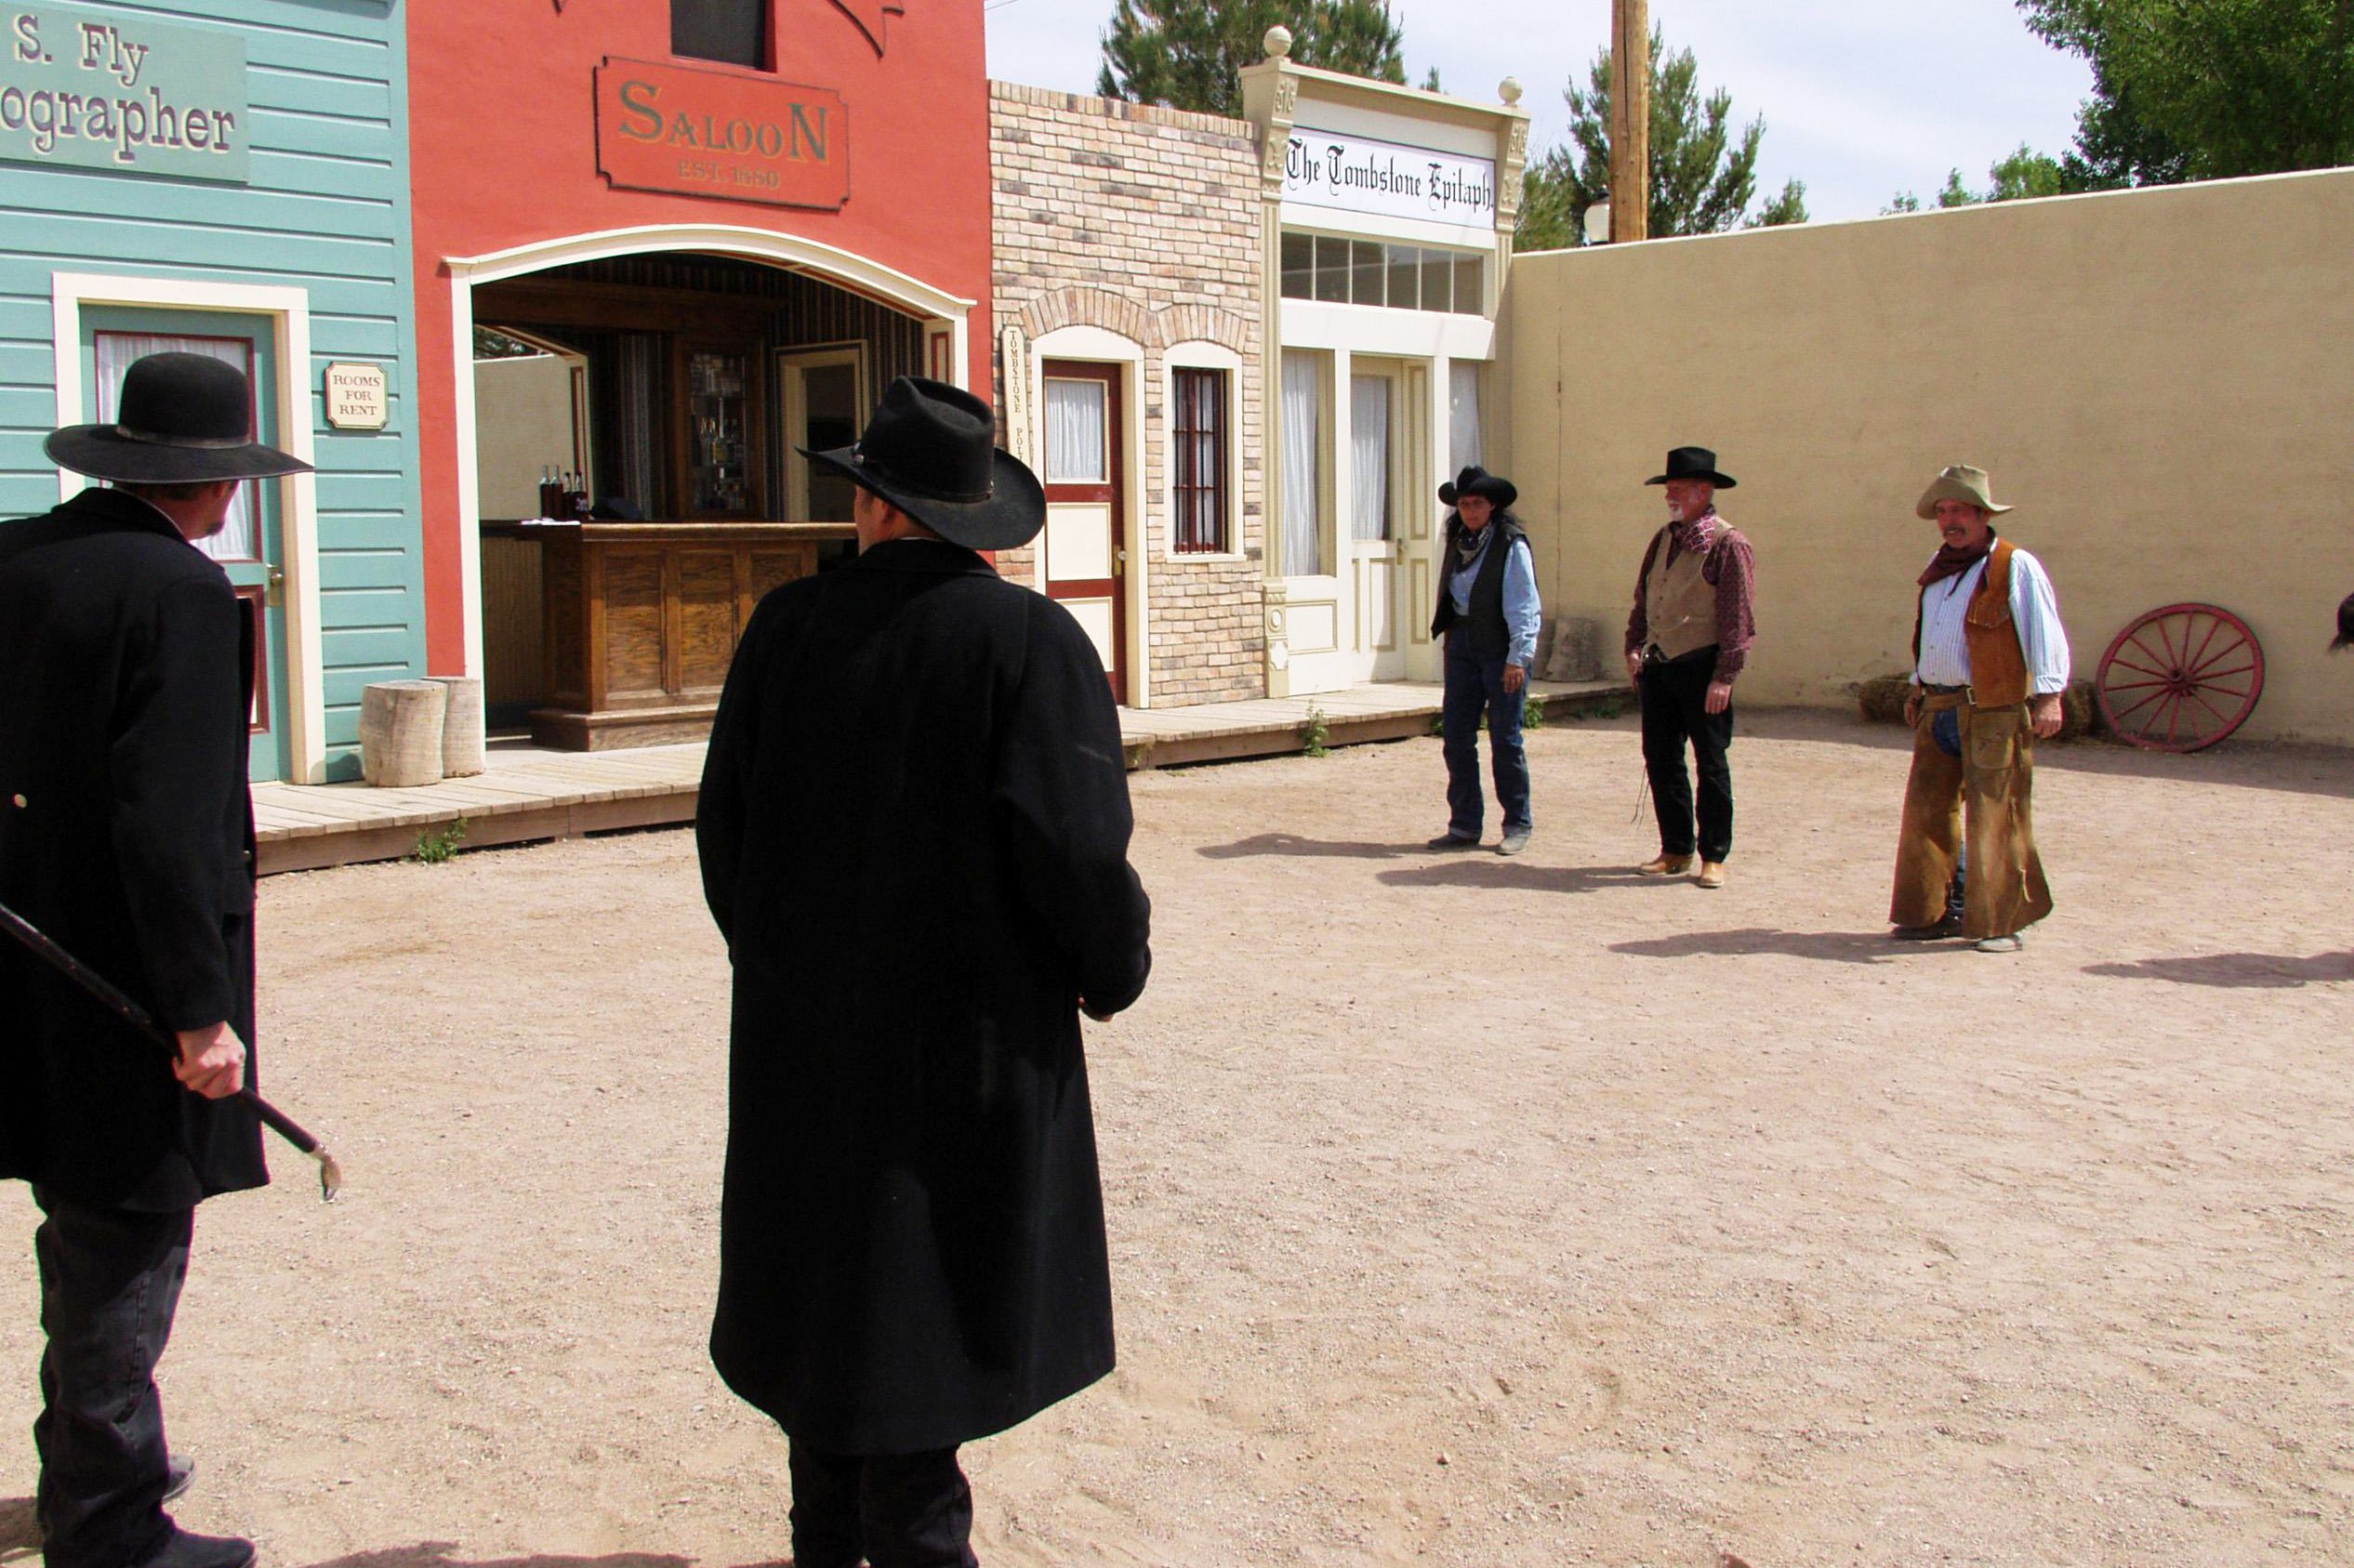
x,y
126,834
914,834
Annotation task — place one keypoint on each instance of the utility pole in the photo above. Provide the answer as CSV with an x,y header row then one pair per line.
x,y
1630,121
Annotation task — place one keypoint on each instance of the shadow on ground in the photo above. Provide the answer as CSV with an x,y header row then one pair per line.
x,y
1292,845
2236,971
441,1554
1841,947
1473,869
17,1533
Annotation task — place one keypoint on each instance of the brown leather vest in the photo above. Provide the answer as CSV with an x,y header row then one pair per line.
x,y
1998,665
1679,605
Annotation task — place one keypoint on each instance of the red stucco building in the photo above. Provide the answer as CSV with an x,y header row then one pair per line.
x,y
659,244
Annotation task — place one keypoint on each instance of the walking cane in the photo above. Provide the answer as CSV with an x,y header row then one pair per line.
x,y
130,1012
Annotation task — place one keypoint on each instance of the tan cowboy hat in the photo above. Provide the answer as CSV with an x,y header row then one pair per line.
x,y
1960,482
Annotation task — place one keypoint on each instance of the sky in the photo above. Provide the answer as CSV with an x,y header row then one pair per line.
x,y
1862,98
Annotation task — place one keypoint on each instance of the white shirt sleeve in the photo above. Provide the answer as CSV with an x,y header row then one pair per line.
x,y
2035,611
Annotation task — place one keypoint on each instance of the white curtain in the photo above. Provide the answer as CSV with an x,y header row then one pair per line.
x,y
1370,457
239,537
1462,416
1075,422
1303,465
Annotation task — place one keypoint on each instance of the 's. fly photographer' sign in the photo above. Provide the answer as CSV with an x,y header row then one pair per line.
x,y
114,91
1321,169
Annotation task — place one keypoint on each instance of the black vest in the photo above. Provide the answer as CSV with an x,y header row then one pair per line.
x,y
1490,638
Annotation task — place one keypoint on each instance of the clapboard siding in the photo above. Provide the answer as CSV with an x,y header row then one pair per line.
x,y
325,210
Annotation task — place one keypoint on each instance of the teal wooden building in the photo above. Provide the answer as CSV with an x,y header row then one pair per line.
x,y
231,176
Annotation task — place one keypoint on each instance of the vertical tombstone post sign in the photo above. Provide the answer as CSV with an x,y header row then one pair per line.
x,y
1019,441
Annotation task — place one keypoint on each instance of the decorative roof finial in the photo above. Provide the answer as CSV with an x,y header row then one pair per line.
x,y
1510,91
1279,42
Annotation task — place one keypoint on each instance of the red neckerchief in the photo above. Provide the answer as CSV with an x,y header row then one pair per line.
x,y
1950,563
1694,537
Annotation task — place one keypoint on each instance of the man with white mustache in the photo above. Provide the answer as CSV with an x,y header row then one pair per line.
x,y
1687,639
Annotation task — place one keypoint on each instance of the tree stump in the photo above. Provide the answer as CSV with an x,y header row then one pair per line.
x,y
400,732
461,726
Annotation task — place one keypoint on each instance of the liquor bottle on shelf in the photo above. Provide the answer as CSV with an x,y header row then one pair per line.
x,y
551,494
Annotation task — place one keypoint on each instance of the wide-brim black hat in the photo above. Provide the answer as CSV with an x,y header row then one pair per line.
x,y
1694,462
931,451
1476,480
182,419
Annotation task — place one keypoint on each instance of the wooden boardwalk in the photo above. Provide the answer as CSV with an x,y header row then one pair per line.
x,y
530,794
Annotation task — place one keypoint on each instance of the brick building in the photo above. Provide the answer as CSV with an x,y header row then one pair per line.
x,y
1129,294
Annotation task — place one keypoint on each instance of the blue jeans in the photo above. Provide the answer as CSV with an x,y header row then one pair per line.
x,y
110,1283
1476,685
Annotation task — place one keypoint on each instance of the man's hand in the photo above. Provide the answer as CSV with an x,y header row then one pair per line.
x,y
1720,695
2044,714
212,1061
1516,678
1912,704
1634,667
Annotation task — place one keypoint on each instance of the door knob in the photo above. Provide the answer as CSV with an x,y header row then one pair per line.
x,y
274,593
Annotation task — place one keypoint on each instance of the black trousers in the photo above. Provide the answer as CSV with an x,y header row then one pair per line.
x,y
110,1283
1675,693
893,1510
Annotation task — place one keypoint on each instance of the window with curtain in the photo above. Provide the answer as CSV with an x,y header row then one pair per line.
x,y
1463,443
733,32
1077,424
1198,435
1305,554
239,537
1368,457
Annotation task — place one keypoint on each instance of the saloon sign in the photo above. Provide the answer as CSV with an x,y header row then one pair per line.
x,y
710,133
1354,174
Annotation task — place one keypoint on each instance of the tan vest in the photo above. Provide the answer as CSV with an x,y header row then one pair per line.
x,y
1679,605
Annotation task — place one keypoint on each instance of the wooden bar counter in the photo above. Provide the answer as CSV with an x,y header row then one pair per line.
x,y
641,619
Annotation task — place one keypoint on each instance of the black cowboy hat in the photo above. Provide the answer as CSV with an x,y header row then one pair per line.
x,y
1476,480
182,419
930,451
1696,463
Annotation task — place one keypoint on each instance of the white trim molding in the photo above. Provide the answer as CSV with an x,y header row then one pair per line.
x,y
297,494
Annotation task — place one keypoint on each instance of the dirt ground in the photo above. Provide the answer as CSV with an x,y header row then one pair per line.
x,y
1464,1211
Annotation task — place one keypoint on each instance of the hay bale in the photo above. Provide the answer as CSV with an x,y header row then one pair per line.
x,y
1880,701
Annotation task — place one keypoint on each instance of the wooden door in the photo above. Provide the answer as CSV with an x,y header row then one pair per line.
x,y
1084,551
251,545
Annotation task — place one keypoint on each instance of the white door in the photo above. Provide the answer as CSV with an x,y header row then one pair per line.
x,y
1084,562
1386,514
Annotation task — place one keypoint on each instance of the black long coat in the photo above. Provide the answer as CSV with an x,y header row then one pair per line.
x,y
126,834
914,834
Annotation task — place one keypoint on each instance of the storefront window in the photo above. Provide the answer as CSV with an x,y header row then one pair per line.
x,y
1305,550
1369,457
1198,434
1336,271
733,32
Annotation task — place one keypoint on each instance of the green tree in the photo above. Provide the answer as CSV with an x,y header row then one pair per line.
x,y
1189,54
2021,175
1703,174
2205,90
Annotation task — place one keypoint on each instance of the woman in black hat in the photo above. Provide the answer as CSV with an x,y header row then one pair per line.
x,y
1488,614
125,690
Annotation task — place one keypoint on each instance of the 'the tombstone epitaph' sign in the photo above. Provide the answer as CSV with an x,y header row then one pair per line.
x,y
716,133
1355,174
85,89
358,396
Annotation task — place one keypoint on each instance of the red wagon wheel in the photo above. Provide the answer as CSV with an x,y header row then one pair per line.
x,y
2181,678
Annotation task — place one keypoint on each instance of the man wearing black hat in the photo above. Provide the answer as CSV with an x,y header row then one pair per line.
x,y
1487,616
126,834
914,836
1687,639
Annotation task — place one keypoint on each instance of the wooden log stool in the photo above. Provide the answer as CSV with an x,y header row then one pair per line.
x,y
461,726
400,732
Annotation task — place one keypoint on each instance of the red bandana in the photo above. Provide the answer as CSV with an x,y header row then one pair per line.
x,y
1950,563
